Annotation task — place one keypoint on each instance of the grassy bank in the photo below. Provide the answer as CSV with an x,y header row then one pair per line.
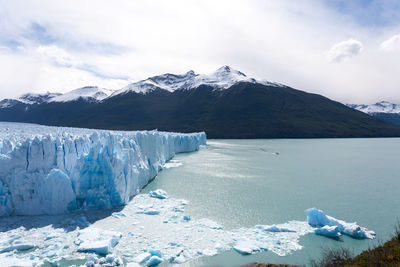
x,y
387,254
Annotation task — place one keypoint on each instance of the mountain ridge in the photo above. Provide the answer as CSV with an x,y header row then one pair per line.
x,y
222,78
382,110
224,104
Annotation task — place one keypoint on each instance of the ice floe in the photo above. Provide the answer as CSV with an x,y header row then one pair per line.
x,y
133,237
173,163
96,240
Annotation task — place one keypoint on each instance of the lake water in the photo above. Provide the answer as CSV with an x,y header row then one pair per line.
x,y
242,183
237,184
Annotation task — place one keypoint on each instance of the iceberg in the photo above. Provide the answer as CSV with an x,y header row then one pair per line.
x,y
159,193
317,218
96,240
154,260
142,257
55,170
246,247
15,243
274,228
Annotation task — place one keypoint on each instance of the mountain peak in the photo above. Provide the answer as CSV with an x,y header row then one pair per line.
x,y
228,70
225,68
379,107
223,78
88,92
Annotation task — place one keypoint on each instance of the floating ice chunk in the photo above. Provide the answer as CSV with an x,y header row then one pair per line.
x,y
317,218
186,218
97,240
274,228
14,242
118,215
209,224
51,236
159,193
11,260
329,231
155,253
111,260
133,264
142,257
182,257
154,260
246,247
150,212
90,261
172,164
19,245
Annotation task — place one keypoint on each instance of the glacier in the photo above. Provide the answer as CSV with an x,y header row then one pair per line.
x,y
53,170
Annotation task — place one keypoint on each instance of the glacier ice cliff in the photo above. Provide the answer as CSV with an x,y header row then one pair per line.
x,y
52,170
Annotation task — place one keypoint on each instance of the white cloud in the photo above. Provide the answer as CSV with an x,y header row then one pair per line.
x,y
344,50
284,41
56,55
391,44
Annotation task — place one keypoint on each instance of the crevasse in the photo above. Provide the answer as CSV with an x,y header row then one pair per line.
x,y
52,170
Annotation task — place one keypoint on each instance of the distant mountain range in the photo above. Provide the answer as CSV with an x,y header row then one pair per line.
x,y
382,110
224,104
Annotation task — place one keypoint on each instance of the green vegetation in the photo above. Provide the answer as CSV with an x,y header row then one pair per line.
x,y
387,254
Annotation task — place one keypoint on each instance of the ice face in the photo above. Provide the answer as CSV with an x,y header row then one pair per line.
x,y
52,170
329,231
317,218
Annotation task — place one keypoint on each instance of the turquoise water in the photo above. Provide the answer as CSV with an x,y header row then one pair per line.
x,y
242,183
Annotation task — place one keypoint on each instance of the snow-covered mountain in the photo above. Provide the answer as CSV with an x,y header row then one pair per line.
x,y
383,110
225,104
91,93
222,78
28,99
380,107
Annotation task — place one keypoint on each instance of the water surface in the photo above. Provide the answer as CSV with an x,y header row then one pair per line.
x,y
242,183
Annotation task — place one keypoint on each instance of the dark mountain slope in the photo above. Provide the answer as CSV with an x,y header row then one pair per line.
x,y
245,110
393,118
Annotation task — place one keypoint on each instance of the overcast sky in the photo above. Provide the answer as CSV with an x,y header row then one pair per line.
x,y
346,50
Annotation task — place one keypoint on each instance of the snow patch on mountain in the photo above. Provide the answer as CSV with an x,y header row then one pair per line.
x,y
88,93
93,93
380,107
28,99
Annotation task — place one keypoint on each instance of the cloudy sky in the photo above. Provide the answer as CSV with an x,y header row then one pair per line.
x,y
345,50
